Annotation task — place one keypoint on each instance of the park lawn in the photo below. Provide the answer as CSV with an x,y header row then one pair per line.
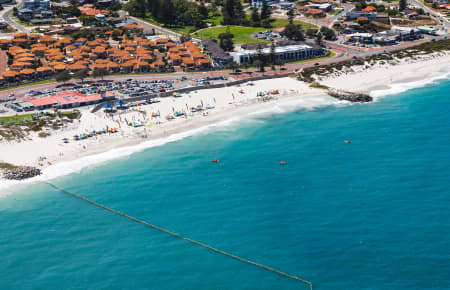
x,y
16,119
334,11
243,34
279,23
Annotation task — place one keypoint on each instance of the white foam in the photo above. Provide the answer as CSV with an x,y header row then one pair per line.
x,y
75,166
281,107
397,88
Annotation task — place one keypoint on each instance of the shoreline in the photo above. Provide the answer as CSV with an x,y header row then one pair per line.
x,y
128,141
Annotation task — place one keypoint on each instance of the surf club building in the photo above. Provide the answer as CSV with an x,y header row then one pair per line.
x,y
67,100
286,53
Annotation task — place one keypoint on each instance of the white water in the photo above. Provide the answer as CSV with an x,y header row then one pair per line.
x,y
287,105
397,88
68,167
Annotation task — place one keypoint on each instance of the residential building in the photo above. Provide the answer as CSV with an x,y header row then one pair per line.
x,y
216,53
259,3
355,14
37,4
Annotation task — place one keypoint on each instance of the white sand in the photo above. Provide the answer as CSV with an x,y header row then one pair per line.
x,y
226,107
67,158
384,76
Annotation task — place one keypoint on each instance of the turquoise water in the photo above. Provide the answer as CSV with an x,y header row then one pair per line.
x,y
370,214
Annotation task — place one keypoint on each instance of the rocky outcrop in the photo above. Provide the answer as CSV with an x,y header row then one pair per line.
x,y
349,96
21,172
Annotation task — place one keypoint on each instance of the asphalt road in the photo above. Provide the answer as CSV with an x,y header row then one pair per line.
x,y
6,13
443,20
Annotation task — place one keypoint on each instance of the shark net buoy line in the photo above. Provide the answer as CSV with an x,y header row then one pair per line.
x,y
261,266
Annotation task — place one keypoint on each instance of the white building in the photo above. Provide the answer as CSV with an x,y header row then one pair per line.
x,y
286,53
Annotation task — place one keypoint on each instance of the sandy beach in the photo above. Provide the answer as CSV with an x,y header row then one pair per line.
x,y
387,74
226,105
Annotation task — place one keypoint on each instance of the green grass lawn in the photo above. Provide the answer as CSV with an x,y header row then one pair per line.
x,y
16,119
243,34
334,11
28,84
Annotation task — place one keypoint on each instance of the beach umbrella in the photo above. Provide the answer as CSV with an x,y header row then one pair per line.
x,y
214,100
201,101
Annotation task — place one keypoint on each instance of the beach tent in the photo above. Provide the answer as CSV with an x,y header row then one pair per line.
x,y
119,103
107,106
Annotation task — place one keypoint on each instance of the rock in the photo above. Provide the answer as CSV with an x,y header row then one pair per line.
x,y
349,96
21,172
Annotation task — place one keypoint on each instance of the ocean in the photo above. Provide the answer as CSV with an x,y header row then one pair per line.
x,y
369,214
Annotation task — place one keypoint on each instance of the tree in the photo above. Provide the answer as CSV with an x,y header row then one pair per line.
x,y
226,40
266,23
310,32
434,5
81,74
273,56
265,11
73,11
319,38
100,72
327,33
402,5
290,15
412,35
203,10
291,31
63,77
260,59
255,17
185,37
167,13
233,12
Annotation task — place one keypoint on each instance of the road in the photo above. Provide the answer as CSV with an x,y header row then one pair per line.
x,y
157,28
320,21
427,9
6,13
347,8
343,53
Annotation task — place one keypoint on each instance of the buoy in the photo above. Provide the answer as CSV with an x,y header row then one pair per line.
x,y
283,162
215,160
348,141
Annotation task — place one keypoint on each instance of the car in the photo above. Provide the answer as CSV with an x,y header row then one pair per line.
x,y
283,68
316,63
238,70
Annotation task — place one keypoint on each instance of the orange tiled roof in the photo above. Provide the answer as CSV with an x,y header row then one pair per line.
x,y
43,68
60,66
27,71
10,73
159,63
21,35
369,9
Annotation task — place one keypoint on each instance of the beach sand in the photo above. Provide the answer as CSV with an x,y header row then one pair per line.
x,y
383,76
230,105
